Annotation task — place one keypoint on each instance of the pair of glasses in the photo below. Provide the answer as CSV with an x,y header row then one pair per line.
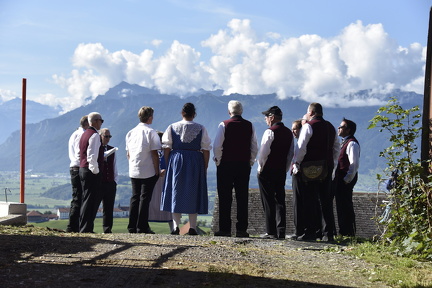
x,y
100,120
341,127
107,136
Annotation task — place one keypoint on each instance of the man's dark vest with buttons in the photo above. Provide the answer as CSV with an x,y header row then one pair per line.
x,y
277,159
320,145
238,133
343,161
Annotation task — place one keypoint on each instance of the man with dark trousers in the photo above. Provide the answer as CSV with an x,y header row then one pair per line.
x,y
74,157
235,148
297,188
318,141
346,177
108,181
91,162
274,161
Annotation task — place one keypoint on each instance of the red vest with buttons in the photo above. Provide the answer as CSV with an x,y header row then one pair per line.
x,y
320,145
238,137
283,137
343,161
84,143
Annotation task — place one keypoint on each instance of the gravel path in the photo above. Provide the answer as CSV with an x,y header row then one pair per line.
x,y
55,259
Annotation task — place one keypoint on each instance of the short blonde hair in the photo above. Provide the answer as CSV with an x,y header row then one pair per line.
x,y
145,113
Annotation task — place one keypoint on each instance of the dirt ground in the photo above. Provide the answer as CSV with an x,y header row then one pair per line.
x,y
38,257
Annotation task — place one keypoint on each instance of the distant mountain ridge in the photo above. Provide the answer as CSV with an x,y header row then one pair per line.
x,y
47,140
11,115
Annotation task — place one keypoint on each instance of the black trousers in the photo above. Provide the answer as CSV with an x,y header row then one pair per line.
x,y
298,205
75,207
318,201
344,206
107,197
91,184
272,190
142,190
233,175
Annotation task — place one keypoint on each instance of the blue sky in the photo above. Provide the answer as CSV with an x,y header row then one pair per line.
x,y
315,50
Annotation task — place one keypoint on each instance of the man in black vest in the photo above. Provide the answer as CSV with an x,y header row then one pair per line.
x,y
346,177
318,141
274,161
91,162
235,148
109,180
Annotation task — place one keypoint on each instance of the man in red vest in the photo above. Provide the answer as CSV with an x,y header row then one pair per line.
x,y
235,148
346,177
318,141
274,161
91,162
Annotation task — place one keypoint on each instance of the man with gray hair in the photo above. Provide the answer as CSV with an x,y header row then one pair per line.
x,y
91,162
235,148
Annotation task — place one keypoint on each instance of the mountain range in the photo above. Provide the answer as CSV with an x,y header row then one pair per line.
x,y
46,140
11,115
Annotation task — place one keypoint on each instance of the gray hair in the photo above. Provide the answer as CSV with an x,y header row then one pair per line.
x,y
93,116
103,130
235,107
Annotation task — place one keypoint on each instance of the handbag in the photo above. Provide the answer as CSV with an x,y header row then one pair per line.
x,y
314,170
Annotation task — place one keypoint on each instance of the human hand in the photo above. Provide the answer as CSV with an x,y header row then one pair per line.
x,y
296,168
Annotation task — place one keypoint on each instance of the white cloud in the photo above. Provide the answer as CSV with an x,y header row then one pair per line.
x,y
310,67
156,42
6,95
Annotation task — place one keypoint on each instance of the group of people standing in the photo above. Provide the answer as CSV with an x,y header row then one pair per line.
x,y
93,173
186,151
178,159
282,151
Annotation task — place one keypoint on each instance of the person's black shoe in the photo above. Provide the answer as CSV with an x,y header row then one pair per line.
x,y
192,232
281,237
306,238
242,234
292,237
149,231
223,233
267,236
175,231
326,238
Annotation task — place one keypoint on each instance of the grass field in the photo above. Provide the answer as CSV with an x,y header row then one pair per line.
x,y
120,225
34,187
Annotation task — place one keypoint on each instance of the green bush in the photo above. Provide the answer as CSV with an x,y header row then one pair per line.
x,y
410,226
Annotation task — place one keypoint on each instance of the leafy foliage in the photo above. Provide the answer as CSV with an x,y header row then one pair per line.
x,y
410,227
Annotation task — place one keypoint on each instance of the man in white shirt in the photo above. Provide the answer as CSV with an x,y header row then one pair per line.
x,y
91,162
235,148
73,147
142,146
346,177
274,161
318,141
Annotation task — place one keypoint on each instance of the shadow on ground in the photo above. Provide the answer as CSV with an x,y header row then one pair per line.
x,y
60,261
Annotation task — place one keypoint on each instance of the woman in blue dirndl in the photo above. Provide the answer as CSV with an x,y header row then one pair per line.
x,y
187,151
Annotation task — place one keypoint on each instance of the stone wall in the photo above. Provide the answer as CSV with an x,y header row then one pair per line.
x,y
366,207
